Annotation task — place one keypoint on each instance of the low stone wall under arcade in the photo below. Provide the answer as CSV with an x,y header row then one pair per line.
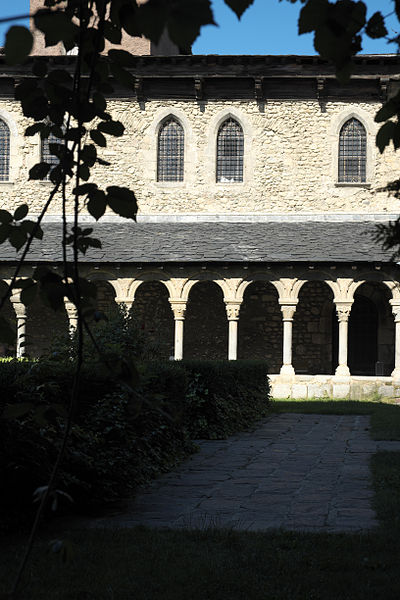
x,y
319,329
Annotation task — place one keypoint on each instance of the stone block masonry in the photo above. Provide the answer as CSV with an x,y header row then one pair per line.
x,y
290,157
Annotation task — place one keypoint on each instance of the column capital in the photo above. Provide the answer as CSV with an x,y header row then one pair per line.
x,y
124,300
18,306
343,309
288,309
395,309
232,310
179,309
70,308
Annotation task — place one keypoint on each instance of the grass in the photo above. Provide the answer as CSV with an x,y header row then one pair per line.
x,y
144,564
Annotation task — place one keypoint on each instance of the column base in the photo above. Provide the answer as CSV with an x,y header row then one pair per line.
x,y
287,370
342,371
396,374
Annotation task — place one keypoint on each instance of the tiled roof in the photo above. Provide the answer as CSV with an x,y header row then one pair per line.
x,y
127,242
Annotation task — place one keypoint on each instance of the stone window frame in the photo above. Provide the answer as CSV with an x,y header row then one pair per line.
x,y
367,121
38,157
189,156
179,171
211,154
15,153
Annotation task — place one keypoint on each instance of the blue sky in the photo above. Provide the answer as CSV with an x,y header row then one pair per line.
x,y
268,27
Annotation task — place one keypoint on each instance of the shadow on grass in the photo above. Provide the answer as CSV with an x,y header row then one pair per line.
x,y
385,418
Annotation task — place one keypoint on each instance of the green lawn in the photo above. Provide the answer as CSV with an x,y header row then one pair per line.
x,y
144,564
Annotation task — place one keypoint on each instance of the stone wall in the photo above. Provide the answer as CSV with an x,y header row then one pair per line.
x,y
154,317
206,325
43,325
290,159
312,329
8,313
260,325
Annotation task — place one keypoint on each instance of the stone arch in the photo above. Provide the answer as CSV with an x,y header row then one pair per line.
x,y
210,276
371,330
312,330
189,151
170,150
109,277
152,312
260,324
162,277
106,294
14,159
211,152
206,324
367,121
253,278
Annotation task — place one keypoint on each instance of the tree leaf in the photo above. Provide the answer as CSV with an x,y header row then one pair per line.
x,y
4,232
386,134
17,237
376,26
388,110
89,154
97,204
112,128
112,33
5,216
98,138
122,58
18,46
28,293
31,226
123,76
122,201
39,68
21,212
39,171
56,25
34,129
239,6
312,15
13,411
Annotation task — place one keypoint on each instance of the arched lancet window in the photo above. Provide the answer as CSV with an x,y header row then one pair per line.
x,y
46,155
4,151
230,150
352,152
170,151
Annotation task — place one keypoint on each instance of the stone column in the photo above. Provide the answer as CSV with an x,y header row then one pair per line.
x,y
232,311
343,312
288,311
179,310
396,313
20,313
72,314
127,302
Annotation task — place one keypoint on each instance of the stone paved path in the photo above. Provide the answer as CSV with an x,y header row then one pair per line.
x,y
295,471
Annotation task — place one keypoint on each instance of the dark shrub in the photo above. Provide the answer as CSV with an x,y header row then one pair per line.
x,y
120,438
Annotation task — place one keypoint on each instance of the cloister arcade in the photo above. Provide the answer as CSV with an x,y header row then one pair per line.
x,y
332,324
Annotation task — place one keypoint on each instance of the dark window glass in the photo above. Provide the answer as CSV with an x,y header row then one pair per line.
x,y
4,151
47,156
352,152
230,147
170,152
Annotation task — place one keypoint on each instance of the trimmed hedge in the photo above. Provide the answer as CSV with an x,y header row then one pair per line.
x,y
119,440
